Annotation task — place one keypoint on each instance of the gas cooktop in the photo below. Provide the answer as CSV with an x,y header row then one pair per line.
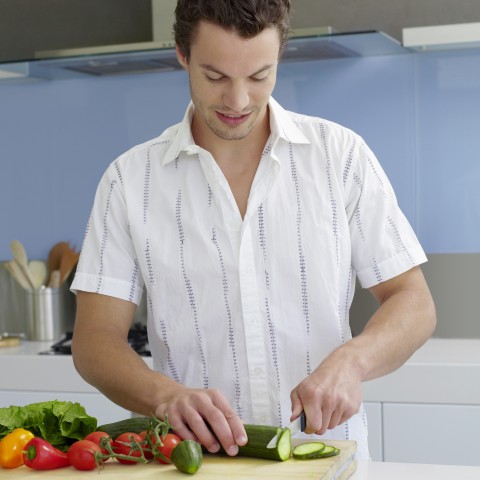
x,y
137,339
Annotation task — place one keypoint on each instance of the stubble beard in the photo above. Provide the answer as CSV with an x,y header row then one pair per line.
x,y
234,133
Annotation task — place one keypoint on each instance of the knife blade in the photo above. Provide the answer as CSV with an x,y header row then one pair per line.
x,y
298,425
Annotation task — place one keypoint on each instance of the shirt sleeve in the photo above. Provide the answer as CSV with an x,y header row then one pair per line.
x,y
108,263
384,244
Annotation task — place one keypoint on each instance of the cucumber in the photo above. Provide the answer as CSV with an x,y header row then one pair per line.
x,y
187,456
311,450
258,438
134,425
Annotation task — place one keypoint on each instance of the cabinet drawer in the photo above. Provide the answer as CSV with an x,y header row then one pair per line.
x,y
424,433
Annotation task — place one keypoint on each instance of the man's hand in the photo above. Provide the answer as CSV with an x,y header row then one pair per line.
x,y
193,411
329,396
404,320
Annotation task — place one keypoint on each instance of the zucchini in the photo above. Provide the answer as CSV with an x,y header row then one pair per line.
x,y
134,425
187,456
258,438
312,450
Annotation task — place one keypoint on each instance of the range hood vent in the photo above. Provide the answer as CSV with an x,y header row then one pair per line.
x,y
303,45
442,37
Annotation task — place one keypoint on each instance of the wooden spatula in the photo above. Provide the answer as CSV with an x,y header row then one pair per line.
x,y
54,258
67,263
20,256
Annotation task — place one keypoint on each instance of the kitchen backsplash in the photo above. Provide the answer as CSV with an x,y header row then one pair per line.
x,y
417,111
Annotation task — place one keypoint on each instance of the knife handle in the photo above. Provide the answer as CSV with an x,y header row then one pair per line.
x,y
303,421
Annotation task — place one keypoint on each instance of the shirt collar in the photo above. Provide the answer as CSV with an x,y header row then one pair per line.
x,y
281,125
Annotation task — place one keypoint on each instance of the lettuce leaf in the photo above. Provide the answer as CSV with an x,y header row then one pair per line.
x,y
60,423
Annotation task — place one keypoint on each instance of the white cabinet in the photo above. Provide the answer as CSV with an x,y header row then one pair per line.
x,y
375,430
95,404
426,433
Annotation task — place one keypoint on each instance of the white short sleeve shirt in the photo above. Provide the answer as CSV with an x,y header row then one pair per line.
x,y
249,306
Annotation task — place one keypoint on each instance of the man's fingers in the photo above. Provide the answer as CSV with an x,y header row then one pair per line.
x,y
205,416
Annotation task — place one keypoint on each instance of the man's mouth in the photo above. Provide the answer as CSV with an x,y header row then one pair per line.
x,y
231,118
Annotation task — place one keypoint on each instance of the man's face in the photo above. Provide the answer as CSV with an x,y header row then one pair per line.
x,y
231,80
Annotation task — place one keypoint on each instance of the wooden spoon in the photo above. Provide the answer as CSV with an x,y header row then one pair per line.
x,y
54,258
39,272
20,256
67,263
17,273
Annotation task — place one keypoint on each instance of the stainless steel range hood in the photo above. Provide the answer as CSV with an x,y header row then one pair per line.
x,y
305,44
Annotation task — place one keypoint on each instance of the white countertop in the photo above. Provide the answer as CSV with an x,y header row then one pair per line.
x,y
413,471
442,371
445,371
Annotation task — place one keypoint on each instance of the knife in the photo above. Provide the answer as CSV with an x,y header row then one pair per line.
x,y
298,425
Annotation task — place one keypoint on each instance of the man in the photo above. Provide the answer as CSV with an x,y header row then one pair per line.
x,y
247,225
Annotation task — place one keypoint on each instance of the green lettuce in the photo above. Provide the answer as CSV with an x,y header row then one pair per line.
x,y
60,423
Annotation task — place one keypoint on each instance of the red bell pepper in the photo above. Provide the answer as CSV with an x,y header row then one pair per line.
x,y
41,455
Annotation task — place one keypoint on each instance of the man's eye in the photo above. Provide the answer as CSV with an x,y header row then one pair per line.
x,y
260,79
213,79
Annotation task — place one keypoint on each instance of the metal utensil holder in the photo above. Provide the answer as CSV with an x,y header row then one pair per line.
x,y
42,314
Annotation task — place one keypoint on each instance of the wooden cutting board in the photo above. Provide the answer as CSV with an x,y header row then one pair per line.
x,y
214,467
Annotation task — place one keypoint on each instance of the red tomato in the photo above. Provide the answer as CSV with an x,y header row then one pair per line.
x,y
122,445
81,454
96,437
170,441
146,445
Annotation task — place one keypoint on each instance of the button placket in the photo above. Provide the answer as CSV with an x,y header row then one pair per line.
x,y
254,332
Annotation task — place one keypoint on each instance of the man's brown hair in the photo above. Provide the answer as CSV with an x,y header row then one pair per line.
x,y
247,18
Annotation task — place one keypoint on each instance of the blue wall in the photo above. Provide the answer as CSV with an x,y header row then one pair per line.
x,y
418,112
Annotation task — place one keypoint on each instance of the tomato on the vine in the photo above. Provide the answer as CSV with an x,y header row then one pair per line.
x,y
81,454
123,445
170,441
96,437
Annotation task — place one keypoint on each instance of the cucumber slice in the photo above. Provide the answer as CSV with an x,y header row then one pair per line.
x,y
308,450
329,451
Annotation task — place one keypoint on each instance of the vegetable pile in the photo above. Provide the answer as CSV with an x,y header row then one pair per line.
x,y
51,435
154,443
60,423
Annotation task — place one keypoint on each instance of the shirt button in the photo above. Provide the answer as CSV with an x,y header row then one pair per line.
x,y
257,371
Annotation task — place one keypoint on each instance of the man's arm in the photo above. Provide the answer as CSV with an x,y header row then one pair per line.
x,y
404,320
103,357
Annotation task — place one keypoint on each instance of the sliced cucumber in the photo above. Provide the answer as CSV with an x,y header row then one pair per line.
x,y
311,450
329,451
308,450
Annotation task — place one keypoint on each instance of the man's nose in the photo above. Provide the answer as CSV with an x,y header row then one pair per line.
x,y
236,97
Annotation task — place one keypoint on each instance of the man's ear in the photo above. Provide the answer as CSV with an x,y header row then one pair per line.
x,y
182,59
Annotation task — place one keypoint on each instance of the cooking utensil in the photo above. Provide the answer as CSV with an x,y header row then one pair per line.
x,y
39,272
54,258
54,281
17,273
68,262
297,426
20,256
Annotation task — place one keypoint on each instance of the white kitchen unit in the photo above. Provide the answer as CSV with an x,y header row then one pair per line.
x,y
441,434
375,430
27,377
429,409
